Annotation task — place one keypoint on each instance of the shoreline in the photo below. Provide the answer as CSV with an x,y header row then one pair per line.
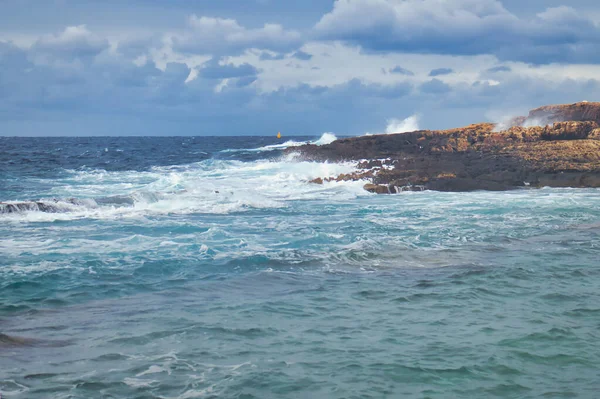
x,y
563,152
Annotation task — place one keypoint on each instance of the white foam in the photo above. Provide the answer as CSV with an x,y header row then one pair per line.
x,y
154,369
326,138
139,383
211,186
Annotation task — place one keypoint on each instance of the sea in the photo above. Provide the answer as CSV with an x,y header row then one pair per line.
x,y
209,267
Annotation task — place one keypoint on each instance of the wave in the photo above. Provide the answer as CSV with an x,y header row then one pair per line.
x,y
326,138
211,186
61,205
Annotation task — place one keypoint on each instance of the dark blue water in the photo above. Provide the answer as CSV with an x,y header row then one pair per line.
x,y
210,267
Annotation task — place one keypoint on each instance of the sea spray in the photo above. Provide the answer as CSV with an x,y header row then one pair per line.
x,y
409,124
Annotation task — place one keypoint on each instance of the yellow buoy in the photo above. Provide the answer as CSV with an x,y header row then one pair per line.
x,y
278,135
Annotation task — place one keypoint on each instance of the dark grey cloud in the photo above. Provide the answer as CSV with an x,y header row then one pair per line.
x,y
138,46
129,75
401,71
463,27
500,68
267,56
214,70
434,86
440,72
301,55
245,81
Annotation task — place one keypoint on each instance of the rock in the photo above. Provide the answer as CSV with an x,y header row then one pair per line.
x,y
568,179
578,112
476,157
594,135
568,130
377,188
375,163
318,180
467,184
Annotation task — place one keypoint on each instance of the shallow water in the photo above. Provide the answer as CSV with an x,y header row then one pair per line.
x,y
209,267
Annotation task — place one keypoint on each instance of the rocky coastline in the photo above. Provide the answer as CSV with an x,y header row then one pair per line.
x,y
554,146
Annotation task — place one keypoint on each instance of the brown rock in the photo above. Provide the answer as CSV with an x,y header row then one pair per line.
x,y
474,157
376,188
579,112
568,130
594,135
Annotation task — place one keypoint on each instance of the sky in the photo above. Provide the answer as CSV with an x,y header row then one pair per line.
x,y
256,67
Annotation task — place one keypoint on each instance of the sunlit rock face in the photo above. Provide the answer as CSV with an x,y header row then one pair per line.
x,y
562,149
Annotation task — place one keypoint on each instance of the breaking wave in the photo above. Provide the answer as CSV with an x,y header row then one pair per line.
x,y
326,138
211,186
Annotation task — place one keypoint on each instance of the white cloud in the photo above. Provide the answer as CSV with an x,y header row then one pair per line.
x,y
334,63
207,35
74,42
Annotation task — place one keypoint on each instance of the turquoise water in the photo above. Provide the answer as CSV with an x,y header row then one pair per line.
x,y
204,268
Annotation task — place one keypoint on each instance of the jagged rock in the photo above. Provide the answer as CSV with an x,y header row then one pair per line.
x,y
578,112
318,180
375,163
476,157
377,188
467,184
568,130
594,135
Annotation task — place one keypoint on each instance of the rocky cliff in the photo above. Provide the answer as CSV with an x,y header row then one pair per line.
x,y
581,112
563,153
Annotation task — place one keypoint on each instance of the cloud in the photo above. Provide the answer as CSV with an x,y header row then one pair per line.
x,y
207,35
73,78
441,71
123,98
271,56
245,81
500,68
138,46
462,27
435,86
75,42
301,55
213,69
401,71
12,57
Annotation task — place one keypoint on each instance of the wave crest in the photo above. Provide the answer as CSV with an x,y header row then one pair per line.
x,y
211,186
